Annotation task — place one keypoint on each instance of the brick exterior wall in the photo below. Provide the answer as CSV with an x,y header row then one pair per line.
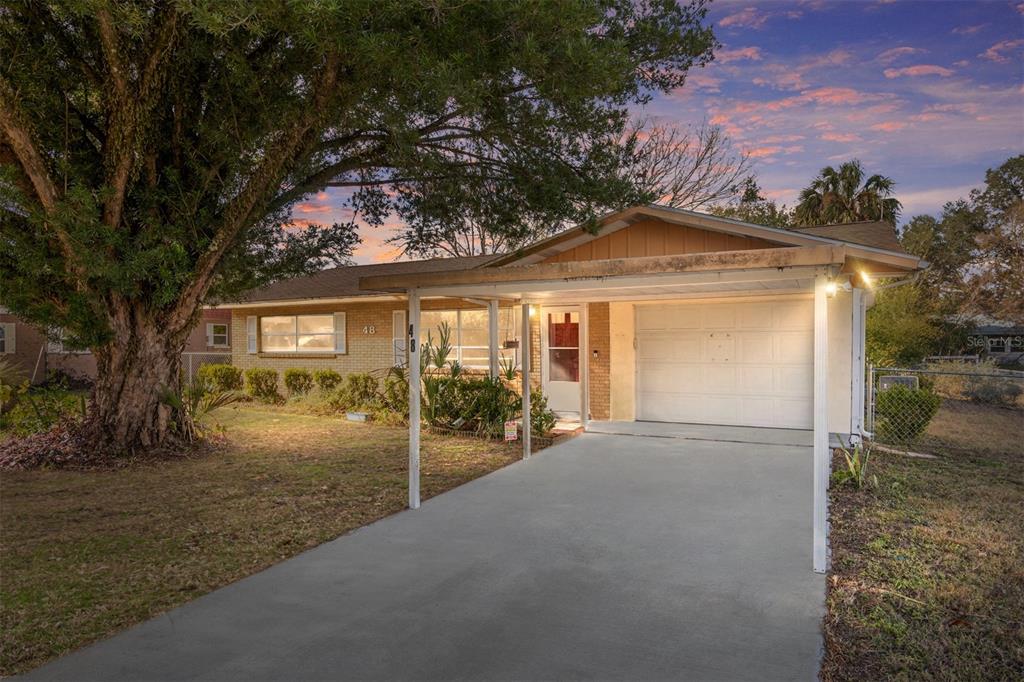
x,y
599,375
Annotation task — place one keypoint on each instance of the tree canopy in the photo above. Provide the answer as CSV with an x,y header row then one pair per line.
x,y
152,151
847,195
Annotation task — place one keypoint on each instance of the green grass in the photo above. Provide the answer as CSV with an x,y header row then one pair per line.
x,y
927,579
84,554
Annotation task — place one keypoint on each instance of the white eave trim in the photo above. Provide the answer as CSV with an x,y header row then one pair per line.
x,y
291,302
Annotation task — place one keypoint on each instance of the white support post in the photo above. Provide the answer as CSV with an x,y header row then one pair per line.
x,y
857,367
822,459
524,344
492,337
414,399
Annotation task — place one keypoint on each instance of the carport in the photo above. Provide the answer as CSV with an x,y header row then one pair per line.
x,y
810,271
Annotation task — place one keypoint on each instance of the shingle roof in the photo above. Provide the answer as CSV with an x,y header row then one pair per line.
x,y
877,234
343,282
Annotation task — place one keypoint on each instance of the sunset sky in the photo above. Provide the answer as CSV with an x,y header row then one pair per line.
x,y
929,93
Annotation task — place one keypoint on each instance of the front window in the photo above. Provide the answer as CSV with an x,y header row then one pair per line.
x,y
299,334
469,335
217,335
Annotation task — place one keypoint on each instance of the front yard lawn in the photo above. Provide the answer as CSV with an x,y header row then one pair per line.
x,y
927,579
85,554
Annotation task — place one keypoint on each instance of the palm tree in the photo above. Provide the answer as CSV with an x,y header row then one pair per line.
x,y
843,196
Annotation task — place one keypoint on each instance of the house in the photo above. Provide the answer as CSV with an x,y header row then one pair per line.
x,y
1000,341
40,357
659,314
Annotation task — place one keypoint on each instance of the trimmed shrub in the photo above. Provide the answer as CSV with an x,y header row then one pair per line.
x,y
298,381
542,419
221,377
903,413
261,383
326,379
357,392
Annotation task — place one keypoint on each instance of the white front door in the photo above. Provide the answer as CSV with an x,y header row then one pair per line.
x,y
560,358
744,364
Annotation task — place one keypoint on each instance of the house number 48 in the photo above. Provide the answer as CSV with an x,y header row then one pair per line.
x,y
369,329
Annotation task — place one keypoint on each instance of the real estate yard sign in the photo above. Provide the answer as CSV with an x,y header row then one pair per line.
x,y
511,430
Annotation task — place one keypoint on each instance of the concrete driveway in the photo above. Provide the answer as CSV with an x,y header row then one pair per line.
x,y
607,557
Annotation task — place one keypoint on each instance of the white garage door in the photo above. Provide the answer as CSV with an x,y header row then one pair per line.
x,y
748,364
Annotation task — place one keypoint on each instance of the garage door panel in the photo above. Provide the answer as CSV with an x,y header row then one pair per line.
x,y
793,379
792,315
755,316
794,347
736,363
719,347
756,347
719,379
757,411
793,413
756,379
719,317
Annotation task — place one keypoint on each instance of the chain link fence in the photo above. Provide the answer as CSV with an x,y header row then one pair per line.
x,y
959,405
191,362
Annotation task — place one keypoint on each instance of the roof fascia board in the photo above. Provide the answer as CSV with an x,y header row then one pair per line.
x,y
618,267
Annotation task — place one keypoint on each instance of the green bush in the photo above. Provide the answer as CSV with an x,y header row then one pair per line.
x,y
326,379
357,392
39,408
221,377
542,419
261,383
298,381
902,414
394,393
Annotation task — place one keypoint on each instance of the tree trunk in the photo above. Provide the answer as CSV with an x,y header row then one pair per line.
x,y
132,372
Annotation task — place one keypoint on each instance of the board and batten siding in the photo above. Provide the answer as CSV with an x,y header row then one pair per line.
x,y
658,238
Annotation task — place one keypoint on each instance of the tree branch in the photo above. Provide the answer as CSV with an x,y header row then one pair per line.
x,y
21,139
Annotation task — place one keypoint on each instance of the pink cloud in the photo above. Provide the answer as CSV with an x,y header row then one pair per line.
x,y
919,70
889,126
895,53
746,18
775,139
700,81
738,54
840,137
969,30
1020,8
996,53
307,207
772,150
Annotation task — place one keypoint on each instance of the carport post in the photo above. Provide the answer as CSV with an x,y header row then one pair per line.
x,y
414,399
822,461
524,362
492,337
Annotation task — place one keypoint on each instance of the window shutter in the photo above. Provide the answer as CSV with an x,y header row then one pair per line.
x,y
209,334
9,328
339,332
398,336
250,328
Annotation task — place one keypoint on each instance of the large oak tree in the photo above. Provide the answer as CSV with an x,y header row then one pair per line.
x,y
151,151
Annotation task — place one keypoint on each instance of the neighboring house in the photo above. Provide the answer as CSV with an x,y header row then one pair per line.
x,y
662,315
1002,342
40,358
